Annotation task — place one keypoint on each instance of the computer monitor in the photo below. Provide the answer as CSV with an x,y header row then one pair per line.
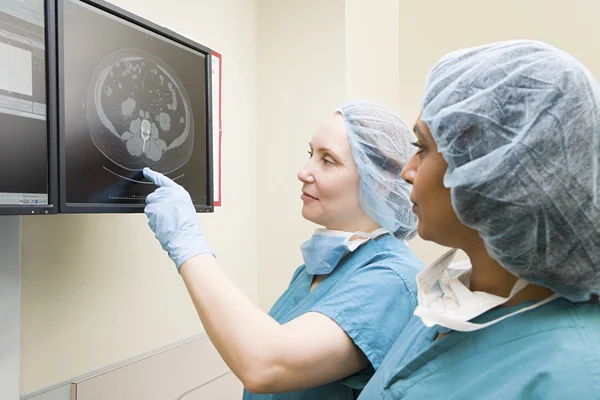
x,y
132,95
28,160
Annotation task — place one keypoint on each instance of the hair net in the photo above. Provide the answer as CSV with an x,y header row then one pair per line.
x,y
518,124
381,147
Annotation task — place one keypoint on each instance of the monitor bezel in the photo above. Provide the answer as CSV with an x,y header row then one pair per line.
x,y
51,123
92,208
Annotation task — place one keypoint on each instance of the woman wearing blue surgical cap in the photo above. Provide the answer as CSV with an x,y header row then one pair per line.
x,y
506,170
355,293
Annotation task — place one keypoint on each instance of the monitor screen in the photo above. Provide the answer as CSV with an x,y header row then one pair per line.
x,y
25,121
133,96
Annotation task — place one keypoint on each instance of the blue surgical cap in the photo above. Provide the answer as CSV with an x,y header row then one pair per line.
x,y
381,147
518,124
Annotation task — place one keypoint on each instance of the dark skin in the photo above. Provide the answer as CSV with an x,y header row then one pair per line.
x,y
438,223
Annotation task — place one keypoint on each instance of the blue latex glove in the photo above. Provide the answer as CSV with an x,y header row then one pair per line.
x,y
172,217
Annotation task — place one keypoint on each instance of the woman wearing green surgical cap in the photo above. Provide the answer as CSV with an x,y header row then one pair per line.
x,y
506,170
356,291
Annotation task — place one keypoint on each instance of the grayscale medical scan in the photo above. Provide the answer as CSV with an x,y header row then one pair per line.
x,y
151,108
132,99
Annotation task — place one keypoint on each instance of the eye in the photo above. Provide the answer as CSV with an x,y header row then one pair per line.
x,y
327,162
419,147
310,153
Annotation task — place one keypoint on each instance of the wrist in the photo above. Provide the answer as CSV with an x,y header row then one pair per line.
x,y
198,261
182,248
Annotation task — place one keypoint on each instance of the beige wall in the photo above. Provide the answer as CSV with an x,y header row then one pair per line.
x,y
99,289
302,80
427,32
372,51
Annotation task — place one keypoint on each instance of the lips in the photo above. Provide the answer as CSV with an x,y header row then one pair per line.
x,y
308,195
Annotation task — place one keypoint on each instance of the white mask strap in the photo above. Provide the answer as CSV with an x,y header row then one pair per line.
x,y
466,326
354,244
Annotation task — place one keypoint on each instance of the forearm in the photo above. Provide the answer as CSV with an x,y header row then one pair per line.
x,y
258,350
249,340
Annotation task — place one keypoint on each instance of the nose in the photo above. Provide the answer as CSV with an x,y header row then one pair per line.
x,y
305,176
410,170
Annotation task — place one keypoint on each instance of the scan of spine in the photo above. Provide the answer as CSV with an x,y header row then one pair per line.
x,y
139,113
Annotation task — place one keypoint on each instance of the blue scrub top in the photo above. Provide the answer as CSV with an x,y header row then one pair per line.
x,y
371,295
551,352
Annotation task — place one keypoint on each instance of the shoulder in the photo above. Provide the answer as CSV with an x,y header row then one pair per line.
x,y
563,326
551,352
571,341
559,362
393,254
381,274
390,262
374,302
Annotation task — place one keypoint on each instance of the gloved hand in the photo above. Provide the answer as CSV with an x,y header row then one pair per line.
x,y
172,218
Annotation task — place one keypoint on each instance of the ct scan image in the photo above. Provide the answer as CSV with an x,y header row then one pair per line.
x,y
138,113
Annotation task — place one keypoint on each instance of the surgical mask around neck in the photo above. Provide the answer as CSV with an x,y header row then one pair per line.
x,y
323,252
444,297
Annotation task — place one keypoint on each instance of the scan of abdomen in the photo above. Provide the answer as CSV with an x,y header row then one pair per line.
x,y
139,113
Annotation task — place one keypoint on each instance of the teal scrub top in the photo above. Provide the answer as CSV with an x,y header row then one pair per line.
x,y
371,295
551,352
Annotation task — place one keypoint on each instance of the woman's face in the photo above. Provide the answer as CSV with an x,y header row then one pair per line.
x,y
432,202
330,180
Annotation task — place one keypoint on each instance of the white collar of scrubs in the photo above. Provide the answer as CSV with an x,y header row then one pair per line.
x,y
445,299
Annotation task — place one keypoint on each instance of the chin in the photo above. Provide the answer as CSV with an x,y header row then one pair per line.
x,y
437,236
422,232
426,233
307,215
312,217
